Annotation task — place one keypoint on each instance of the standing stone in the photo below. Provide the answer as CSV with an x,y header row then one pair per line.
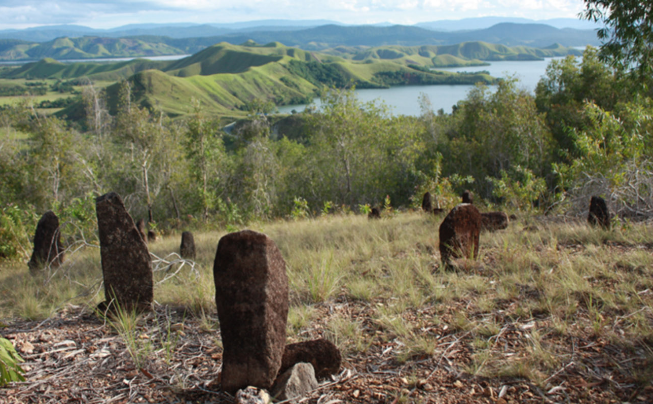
x,y
187,248
251,292
48,249
375,213
322,354
460,233
126,264
295,382
437,211
140,225
468,196
493,221
599,214
151,236
427,203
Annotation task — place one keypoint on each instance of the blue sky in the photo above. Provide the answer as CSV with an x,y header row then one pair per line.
x,y
110,14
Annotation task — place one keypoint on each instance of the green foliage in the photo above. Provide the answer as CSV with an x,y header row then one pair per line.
x,y
16,227
519,188
319,74
301,210
627,36
10,371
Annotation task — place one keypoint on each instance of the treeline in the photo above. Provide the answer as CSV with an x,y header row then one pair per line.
x,y
586,132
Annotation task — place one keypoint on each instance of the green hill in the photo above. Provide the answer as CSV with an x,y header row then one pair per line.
x,y
227,58
85,48
464,54
51,69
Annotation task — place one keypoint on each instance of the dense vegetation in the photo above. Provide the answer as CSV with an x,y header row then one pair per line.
x,y
587,131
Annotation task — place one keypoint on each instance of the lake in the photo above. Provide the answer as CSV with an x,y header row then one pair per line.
x,y
404,100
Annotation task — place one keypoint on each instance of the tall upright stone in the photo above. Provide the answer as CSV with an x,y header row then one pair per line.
x,y
427,203
48,249
142,230
468,196
375,213
460,233
187,247
251,292
126,264
599,215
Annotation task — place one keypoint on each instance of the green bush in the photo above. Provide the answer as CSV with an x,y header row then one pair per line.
x,y
9,359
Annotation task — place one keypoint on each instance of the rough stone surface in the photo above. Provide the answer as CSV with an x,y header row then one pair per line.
x,y
126,264
142,230
427,203
187,247
493,221
252,395
322,354
251,292
151,236
599,214
468,196
48,249
374,214
295,382
460,233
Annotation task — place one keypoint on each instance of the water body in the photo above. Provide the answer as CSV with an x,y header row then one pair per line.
x,y
404,100
99,60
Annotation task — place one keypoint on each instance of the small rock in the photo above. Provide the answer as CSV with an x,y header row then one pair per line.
x,y
356,393
27,347
322,354
295,382
252,395
67,343
458,383
177,327
427,387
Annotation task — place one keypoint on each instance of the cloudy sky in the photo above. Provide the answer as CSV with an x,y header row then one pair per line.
x,y
110,14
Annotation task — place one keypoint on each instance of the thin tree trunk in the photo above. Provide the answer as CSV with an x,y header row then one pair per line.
x,y
147,193
174,203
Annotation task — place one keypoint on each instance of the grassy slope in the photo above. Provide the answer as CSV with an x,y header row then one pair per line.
x,y
540,308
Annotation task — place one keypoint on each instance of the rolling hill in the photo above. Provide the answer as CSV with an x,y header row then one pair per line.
x,y
85,48
225,77
313,38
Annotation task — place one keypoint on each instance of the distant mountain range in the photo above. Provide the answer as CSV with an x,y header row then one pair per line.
x,y
314,38
189,30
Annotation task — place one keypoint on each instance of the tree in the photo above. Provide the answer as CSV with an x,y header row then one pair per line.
x,y
204,152
628,33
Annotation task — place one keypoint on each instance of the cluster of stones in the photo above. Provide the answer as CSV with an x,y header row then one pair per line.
x,y
460,229
251,293
251,288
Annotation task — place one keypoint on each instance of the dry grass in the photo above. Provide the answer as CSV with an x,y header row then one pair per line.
x,y
565,306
